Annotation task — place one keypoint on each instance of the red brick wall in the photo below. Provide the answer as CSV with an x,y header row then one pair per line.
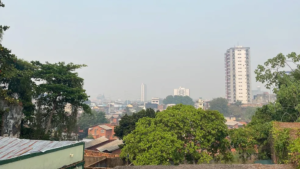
x,y
99,154
107,133
118,151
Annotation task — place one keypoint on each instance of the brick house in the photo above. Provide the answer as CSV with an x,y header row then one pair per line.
x,y
105,130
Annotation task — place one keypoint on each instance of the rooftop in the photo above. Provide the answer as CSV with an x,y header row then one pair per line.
x,y
95,142
114,145
105,127
232,123
14,147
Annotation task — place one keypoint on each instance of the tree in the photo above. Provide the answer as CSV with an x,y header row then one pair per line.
x,y
243,141
148,136
182,134
220,104
240,113
60,86
285,86
248,113
186,100
2,28
238,103
87,120
235,111
127,111
128,122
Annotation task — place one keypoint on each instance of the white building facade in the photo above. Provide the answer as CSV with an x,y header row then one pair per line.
x,y
155,100
238,75
199,103
181,92
143,92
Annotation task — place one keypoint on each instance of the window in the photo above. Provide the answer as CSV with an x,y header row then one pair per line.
x,y
95,132
102,131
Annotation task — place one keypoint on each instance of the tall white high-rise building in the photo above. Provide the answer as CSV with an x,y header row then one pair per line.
x,y
238,74
181,92
143,93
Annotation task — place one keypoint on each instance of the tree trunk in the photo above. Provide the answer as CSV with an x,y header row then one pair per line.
x,y
49,121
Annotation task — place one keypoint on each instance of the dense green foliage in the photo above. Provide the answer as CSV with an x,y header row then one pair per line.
x,y
294,151
220,104
52,86
128,122
185,100
87,120
284,109
60,86
180,134
243,141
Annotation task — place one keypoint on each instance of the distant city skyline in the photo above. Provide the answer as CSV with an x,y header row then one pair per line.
x,y
163,44
143,92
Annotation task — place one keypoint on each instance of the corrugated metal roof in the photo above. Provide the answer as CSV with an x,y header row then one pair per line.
x,y
114,145
95,142
105,127
87,140
14,147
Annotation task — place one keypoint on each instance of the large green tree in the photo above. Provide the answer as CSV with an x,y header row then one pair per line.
x,y
219,104
60,85
186,100
286,107
285,86
87,120
180,134
128,122
243,141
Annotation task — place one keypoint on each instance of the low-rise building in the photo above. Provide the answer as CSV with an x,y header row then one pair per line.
x,y
92,144
199,103
170,105
106,130
152,106
155,101
264,98
160,107
233,124
40,154
112,147
113,118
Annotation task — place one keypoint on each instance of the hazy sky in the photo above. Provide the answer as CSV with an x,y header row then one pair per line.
x,y
162,43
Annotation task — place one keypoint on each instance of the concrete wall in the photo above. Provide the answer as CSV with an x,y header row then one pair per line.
x,y
11,120
51,160
212,166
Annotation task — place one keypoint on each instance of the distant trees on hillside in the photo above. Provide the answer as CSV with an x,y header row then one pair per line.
x,y
185,100
220,104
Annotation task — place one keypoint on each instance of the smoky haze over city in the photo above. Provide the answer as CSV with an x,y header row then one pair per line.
x,y
163,44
